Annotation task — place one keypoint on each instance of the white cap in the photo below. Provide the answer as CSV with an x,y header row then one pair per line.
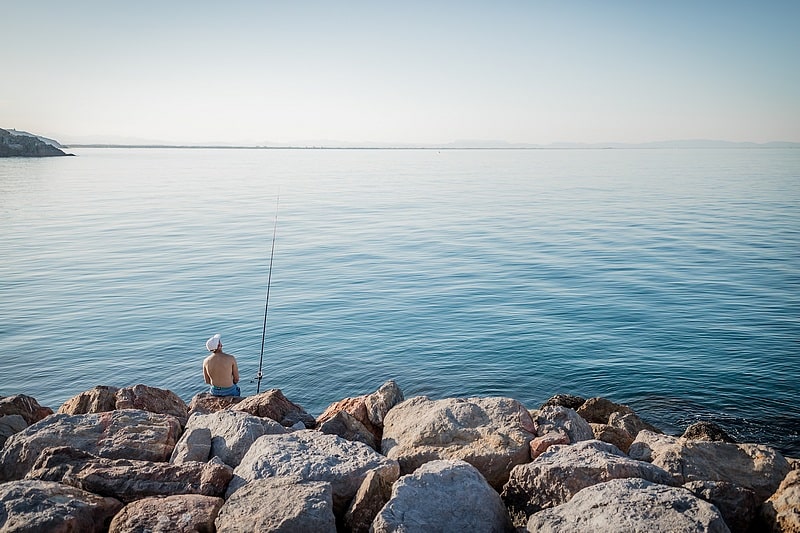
x,y
213,343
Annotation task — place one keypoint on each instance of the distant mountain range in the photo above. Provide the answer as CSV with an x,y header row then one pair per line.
x,y
455,145
15,143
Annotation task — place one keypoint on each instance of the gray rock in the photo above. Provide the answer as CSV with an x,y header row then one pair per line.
x,y
753,466
348,427
492,434
232,433
129,480
381,401
98,399
273,404
25,406
737,505
204,403
372,495
152,399
558,474
708,431
126,434
553,417
632,506
279,504
630,422
565,400
598,410
182,513
312,456
34,506
10,424
781,512
194,445
613,435
443,496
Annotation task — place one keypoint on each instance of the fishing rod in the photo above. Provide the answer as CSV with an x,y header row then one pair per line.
x,y
266,303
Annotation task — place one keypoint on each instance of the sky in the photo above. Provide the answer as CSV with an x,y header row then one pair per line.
x,y
410,72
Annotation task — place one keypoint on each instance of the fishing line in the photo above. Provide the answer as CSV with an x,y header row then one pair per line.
x,y
266,303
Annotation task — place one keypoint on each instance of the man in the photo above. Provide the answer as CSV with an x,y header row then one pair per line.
x,y
220,370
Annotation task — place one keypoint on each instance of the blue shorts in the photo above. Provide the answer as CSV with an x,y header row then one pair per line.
x,y
233,390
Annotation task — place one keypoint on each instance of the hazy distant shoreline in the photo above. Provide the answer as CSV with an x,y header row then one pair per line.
x,y
614,146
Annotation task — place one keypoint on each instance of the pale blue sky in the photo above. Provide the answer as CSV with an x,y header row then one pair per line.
x,y
402,72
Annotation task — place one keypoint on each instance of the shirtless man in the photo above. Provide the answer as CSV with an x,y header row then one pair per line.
x,y
220,370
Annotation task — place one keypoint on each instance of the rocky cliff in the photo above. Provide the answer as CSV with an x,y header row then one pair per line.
x,y
20,144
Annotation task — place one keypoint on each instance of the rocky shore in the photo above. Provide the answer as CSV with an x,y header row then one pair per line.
x,y
23,144
140,459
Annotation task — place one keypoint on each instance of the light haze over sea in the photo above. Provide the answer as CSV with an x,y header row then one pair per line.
x,y
668,280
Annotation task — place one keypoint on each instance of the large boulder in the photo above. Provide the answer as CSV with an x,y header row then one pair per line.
x,y
372,495
598,410
631,505
708,431
126,434
232,433
279,505
312,456
781,512
737,505
554,417
25,406
753,466
182,513
558,474
31,505
9,425
128,480
613,435
492,434
443,496
194,445
273,404
348,427
95,400
565,400
205,403
630,423
369,410
152,399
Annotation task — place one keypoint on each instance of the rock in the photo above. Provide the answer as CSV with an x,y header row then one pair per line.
x,y
613,435
273,404
554,417
781,512
492,434
194,445
152,399
443,496
372,495
205,403
182,513
232,433
564,400
381,401
753,466
126,434
348,427
96,400
129,480
631,505
558,474
597,410
279,504
630,422
539,445
30,505
736,504
356,410
25,406
649,444
15,143
707,431
312,456
10,424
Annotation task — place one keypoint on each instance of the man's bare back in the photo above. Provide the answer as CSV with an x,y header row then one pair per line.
x,y
220,370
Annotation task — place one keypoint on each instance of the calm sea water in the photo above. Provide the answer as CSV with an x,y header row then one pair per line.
x,y
668,280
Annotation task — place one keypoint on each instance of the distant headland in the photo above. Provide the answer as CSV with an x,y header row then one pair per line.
x,y
15,143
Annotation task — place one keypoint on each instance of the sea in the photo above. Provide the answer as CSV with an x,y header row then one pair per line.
x,y
664,279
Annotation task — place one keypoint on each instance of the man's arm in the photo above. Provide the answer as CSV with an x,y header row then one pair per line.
x,y
206,376
235,371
